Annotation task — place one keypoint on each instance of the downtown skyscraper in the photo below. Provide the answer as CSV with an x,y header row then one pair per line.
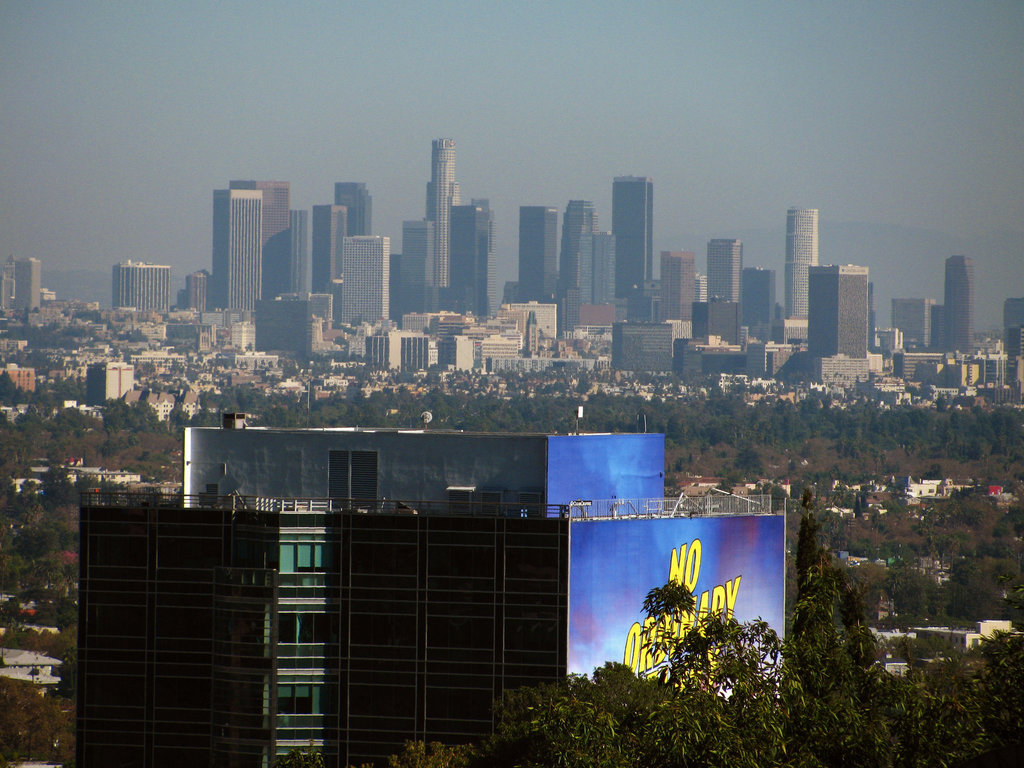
x,y
237,277
725,267
473,283
141,286
580,219
837,322
538,253
677,278
442,194
801,254
633,227
959,304
275,238
357,200
366,263
329,227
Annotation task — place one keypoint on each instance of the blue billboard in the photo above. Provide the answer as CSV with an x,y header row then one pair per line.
x,y
733,564
629,466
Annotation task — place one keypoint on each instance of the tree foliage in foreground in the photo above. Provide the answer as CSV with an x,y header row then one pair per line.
x,y
731,694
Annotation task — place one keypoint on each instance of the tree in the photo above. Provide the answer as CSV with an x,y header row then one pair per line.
x,y
301,758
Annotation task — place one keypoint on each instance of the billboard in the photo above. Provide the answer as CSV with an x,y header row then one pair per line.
x,y
735,564
625,466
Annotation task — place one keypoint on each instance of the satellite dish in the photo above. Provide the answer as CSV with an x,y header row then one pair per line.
x,y
426,417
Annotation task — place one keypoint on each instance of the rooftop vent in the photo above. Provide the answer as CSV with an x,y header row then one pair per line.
x,y
233,421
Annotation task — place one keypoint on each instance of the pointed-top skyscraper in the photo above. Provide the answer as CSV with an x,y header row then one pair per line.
x,y
442,194
959,307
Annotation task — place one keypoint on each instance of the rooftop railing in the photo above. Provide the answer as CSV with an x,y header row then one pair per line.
x,y
715,504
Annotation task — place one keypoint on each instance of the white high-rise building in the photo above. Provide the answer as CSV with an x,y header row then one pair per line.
x,y
801,253
141,286
725,268
237,278
442,194
366,262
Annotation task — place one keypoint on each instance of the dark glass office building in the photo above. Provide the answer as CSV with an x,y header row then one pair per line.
x,y
349,589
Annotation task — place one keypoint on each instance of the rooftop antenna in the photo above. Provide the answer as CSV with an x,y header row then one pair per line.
x,y
426,417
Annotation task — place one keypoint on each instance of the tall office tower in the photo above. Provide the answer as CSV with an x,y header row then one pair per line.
x,y
837,311
366,263
416,269
938,323
914,318
472,284
329,225
538,253
633,227
580,218
237,276
801,253
197,285
871,316
677,277
442,194
28,275
757,300
145,287
959,314
356,197
700,288
597,268
725,266
298,230
7,285
1013,313
275,239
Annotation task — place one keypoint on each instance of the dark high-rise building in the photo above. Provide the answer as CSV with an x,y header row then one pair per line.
x,y
350,589
413,292
442,194
298,229
1013,313
356,198
677,275
725,265
275,236
329,226
938,323
286,324
837,320
27,289
914,318
237,279
538,253
580,218
633,227
642,347
717,318
196,286
598,271
959,304
145,287
472,283
757,300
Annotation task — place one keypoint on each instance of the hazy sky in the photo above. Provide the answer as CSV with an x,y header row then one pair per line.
x,y
117,120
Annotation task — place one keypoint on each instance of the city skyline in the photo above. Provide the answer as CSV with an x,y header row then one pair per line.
x,y
899,124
